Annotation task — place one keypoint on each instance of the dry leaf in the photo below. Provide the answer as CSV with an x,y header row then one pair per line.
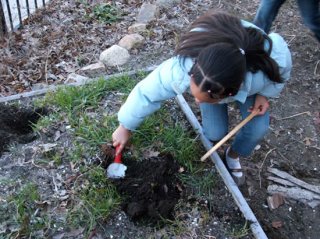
x,y
150,153
307,141
181,170
317,118
57,135
277,224
275,201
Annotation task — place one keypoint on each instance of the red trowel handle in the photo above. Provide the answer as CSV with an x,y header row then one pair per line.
x,y
117,159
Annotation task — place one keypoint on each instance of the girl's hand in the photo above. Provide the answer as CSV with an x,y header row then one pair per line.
x,y
261,103
120,137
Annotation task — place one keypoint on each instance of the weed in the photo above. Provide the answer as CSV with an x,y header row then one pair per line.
x,y
26,210
177,227
105,13
57,158
202,183
46,121
241,231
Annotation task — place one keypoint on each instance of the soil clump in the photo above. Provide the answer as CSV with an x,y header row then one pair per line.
x,y
151,187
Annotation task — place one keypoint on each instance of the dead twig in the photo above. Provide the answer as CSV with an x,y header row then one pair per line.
x,y
295,115
286,159
260,168
46,66
293,37
210,237
316,68
281,181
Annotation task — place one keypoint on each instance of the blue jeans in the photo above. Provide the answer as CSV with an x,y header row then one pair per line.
x,y
309,10
215,125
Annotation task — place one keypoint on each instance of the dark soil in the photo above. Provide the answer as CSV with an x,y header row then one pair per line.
x,y
150,189
16,125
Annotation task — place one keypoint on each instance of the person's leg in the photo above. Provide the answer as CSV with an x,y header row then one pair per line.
x,y
252,133
310,13
214,120
266,13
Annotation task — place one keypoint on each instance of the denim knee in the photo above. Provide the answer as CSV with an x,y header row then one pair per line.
x,y
250,135
214,120
258,132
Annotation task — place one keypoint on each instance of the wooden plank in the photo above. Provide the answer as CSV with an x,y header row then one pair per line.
x,y
294,180
281,181
294,193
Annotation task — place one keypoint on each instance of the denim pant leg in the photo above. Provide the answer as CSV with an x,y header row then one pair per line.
x,y
310,13
267,12
253,132
214,120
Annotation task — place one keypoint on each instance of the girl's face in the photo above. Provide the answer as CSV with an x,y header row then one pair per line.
x,y
200,96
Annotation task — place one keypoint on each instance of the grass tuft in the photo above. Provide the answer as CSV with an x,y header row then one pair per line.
x,y
97,199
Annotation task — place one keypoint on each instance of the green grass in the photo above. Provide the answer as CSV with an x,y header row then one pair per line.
x,y
73,99
240,231
96,200
167,136
46,121
202,182
103,12
80,108
25,212
95,133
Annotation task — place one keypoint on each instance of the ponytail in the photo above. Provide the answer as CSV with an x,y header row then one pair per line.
x,y
258,58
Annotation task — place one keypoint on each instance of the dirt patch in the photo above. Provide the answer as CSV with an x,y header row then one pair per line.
x,y
16,124
150,189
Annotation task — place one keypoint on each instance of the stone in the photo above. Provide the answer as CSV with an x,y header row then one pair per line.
x,y
76,79
93,70
147,13
114,56
137,28
131,41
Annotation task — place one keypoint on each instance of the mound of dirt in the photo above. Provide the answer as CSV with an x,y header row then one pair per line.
x,y
150,188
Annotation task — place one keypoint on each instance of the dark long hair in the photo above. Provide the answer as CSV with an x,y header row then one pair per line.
x,y
224,51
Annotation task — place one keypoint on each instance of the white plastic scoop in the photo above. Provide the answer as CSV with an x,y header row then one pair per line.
x,y
116,169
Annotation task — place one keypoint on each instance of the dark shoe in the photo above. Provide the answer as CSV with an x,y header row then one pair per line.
x,y
238,180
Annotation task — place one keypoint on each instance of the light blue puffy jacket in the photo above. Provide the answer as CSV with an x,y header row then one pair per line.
x,y
171,78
